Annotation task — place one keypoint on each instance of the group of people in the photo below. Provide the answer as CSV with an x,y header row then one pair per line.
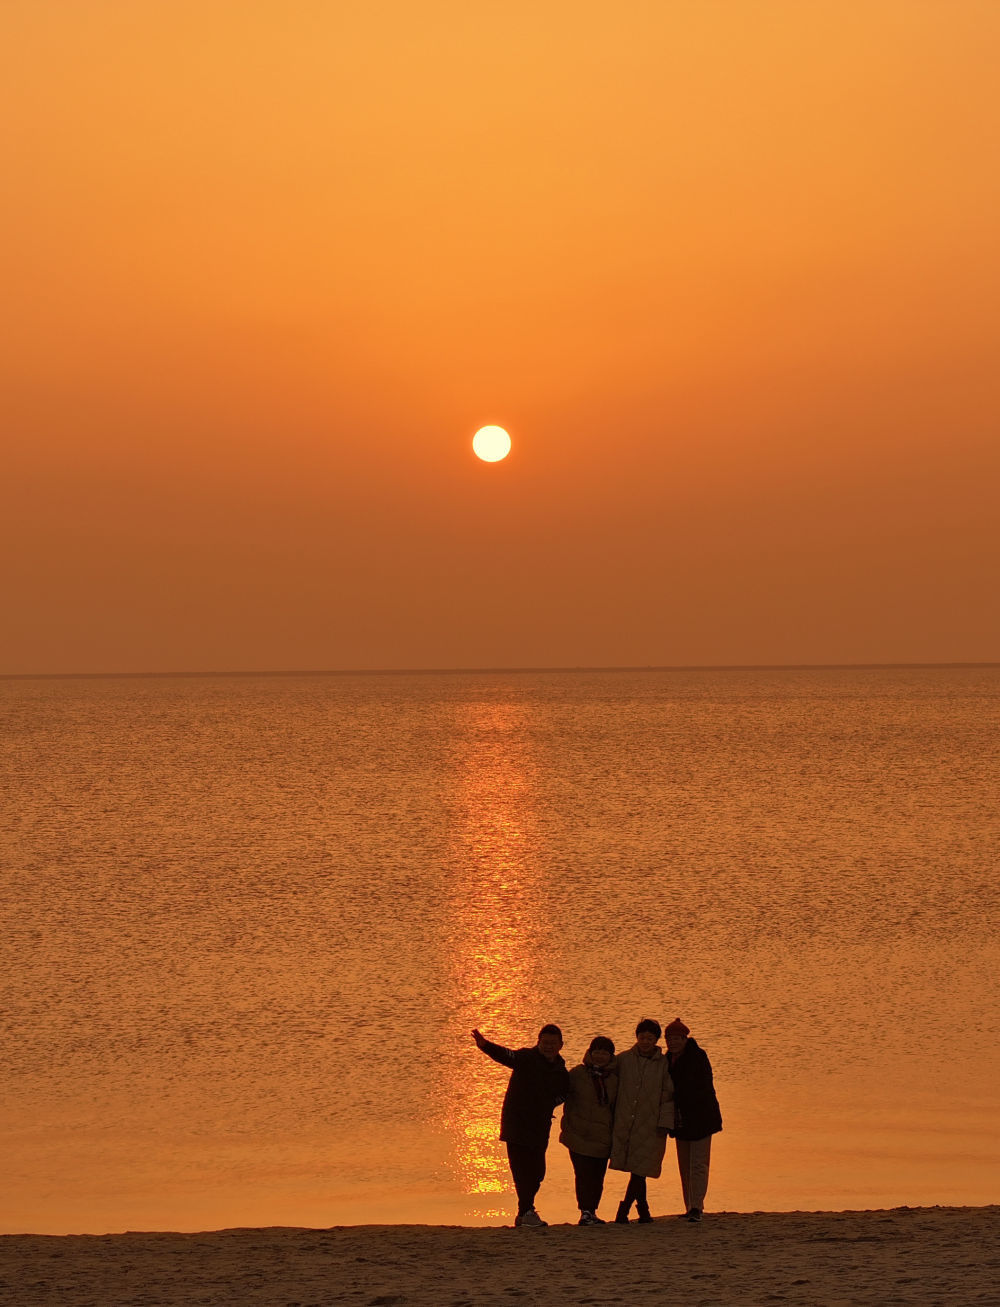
x,y
618,1111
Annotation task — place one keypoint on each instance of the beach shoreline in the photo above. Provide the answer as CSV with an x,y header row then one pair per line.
x,y
899,1255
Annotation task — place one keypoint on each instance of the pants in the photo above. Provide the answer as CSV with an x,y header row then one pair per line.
x,y
693,1157
527,1166
589,1173
636,1190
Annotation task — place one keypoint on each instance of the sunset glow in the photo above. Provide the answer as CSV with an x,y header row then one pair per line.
x,y
350,736
737,274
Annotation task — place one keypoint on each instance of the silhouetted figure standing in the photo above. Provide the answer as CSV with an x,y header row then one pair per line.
x,y
539,1082
696,1114
644,1113
588,1116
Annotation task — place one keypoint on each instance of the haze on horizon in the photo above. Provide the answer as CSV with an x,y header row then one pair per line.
x,y
727,273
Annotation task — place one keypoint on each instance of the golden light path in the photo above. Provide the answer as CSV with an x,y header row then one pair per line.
x,y
491,444
499,912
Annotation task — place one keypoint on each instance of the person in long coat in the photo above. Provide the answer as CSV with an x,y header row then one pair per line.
x,y
588,1115
697,1114
644,1114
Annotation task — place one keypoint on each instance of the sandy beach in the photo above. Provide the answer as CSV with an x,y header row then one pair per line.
x,y
903,1255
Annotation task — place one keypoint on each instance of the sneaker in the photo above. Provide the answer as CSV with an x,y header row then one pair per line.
x,y
530,1217
588,1218
694,1214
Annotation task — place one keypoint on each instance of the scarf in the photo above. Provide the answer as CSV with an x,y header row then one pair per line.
x,y
597,1077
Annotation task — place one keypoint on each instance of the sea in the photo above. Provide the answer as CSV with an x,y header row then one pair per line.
x,y
250,921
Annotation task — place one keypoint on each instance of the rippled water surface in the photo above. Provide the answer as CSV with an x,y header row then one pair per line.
x,y
250,922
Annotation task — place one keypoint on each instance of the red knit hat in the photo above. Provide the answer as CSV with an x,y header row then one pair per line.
x,y
677,1027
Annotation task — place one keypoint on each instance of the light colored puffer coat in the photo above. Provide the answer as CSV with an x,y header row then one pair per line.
x,y
645,1104
586,1122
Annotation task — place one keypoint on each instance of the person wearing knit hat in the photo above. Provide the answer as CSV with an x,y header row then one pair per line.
x,y
697,1116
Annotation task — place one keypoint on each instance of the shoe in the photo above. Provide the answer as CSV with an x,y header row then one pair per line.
x,y
622,1216
643,1210
694,1214
530,1217
588,1218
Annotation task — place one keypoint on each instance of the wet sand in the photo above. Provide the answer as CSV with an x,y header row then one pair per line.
x,y
948,1255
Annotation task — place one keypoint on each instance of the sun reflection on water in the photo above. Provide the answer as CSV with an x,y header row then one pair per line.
x,y
496,910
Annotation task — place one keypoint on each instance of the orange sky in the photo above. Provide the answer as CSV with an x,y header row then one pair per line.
x,y
727,271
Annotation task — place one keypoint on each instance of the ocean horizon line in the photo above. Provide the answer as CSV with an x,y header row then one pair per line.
x,y
236,674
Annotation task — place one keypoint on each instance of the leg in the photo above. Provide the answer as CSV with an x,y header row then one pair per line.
x,y
527,1166
635,1193
637,1188
589,1180
580,1180
684,1167
536,1172
600,1170
700,1158
623,1207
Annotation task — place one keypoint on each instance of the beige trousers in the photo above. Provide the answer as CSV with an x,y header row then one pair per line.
x,y
693,1157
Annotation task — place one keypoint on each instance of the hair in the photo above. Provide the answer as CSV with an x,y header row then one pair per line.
x,y
550,1030
602,1041
649,1024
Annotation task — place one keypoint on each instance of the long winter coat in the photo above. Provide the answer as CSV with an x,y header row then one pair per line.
x,y
586,1120
645,1105
696,1107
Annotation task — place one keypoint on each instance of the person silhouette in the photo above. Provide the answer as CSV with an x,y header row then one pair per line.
x,y
697,1116
644,1114
538,1082
587,1120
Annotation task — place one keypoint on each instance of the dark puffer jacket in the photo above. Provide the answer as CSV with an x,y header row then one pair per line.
x,y
696,1108
586,1121
536,1087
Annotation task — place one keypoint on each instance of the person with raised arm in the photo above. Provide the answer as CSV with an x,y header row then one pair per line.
x,y
538,1083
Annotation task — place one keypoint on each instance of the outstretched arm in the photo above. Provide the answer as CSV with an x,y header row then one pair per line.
x,y
497,1052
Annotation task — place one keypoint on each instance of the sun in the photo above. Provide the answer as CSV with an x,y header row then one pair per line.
x,y
491,444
